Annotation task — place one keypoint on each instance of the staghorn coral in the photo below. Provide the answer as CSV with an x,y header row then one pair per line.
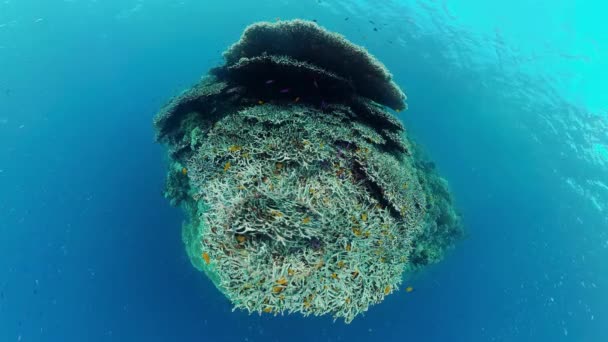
x,y
307,200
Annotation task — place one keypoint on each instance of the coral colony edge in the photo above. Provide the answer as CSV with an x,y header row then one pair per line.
x,y
302,192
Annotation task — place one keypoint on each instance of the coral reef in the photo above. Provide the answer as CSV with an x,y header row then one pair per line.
x,y
443,225
302,192
308,42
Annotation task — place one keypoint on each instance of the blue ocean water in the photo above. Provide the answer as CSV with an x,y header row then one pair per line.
x,y
507,97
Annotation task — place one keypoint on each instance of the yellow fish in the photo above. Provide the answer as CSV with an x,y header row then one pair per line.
x,y
227,166
206,258
306,220
184,171
409,289
234,148
387,290
260,102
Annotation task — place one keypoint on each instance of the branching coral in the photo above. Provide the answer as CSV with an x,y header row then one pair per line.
x,y
301,191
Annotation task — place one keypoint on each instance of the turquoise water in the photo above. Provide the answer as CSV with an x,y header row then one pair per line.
x,y
508,98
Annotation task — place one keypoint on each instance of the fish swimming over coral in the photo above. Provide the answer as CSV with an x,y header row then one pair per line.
x,y
271,184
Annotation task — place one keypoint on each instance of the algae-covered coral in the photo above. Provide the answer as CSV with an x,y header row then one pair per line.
x,y
302,192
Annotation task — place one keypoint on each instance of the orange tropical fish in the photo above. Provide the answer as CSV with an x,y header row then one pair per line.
x,y
206,258
387,290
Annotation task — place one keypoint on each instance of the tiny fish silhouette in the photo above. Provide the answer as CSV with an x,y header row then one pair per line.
x,y
270,82
284,91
